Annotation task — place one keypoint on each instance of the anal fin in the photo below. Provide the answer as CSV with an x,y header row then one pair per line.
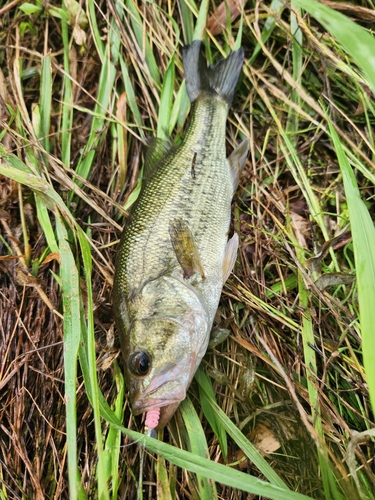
x,y
237,161
185,248
230,256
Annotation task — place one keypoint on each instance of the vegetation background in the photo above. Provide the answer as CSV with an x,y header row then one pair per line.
x,y
281,408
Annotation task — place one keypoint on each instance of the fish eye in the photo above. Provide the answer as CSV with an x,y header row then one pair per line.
x,y
140,363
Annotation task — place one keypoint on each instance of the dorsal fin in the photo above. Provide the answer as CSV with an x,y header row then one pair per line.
x,y
154,150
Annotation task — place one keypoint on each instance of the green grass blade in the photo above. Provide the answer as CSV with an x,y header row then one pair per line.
x,y
143,41
205,388
69,277
130,97
200,27
187,22
91,359
67,106
250,451
163,485
104,99
180,108
165,109
197,445
113,441
46,225
92,11
45,102
355,39
363,233
276,7
200,465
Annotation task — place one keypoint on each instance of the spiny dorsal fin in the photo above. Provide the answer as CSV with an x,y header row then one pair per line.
x,y
230,256
154,150
185,248
237,161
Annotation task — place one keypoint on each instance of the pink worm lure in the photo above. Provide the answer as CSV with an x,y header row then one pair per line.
x,y
152,419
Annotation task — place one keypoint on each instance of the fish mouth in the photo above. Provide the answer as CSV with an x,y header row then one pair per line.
x,y
165,391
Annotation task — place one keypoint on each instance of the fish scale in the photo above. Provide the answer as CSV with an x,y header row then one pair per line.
x,y
174,254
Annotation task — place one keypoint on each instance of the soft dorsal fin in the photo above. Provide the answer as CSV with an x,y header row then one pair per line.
x,y
185,248
237,161
154,150
230,256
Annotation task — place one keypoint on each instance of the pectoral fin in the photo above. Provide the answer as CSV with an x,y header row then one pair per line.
x,y
185,248
230,256
237,161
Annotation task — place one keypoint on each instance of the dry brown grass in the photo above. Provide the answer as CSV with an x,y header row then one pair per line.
x,y
260,304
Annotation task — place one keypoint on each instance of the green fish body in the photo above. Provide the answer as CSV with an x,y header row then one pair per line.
x,y
174,255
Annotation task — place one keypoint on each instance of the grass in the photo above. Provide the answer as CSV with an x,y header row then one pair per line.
x,y
283,407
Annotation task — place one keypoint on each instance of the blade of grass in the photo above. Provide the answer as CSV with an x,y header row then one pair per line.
x,y
205,387
89,344
45,102
200,465
113,441
276,7
163,486
197,445
69,277
200,26
187,21
92,12
104,99
363,234
166,98
143,42
67,106
250,451
355,39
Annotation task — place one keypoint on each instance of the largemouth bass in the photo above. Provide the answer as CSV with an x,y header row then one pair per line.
x,y
174,255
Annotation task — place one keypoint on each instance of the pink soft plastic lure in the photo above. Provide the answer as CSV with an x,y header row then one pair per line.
x,y
152,419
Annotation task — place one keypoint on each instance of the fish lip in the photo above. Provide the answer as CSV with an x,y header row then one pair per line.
x,y
145,405
177,380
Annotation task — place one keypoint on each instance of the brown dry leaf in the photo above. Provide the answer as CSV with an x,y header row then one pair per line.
x,y
26,279
334,279
357,11
52,256
264,439
314,264
9,257
121,107
217,22
4,215
301,228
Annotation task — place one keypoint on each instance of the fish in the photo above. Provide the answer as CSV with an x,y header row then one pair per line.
x,y
174,255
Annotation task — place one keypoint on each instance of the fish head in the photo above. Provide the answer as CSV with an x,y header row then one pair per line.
x,y
163,352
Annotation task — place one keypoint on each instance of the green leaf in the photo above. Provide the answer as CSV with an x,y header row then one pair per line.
x,y
248,448
205,389
72,334
363,233
197,444
165,109
355,39
29,8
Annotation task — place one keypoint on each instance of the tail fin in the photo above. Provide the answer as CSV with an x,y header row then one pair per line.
x,y
220,79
